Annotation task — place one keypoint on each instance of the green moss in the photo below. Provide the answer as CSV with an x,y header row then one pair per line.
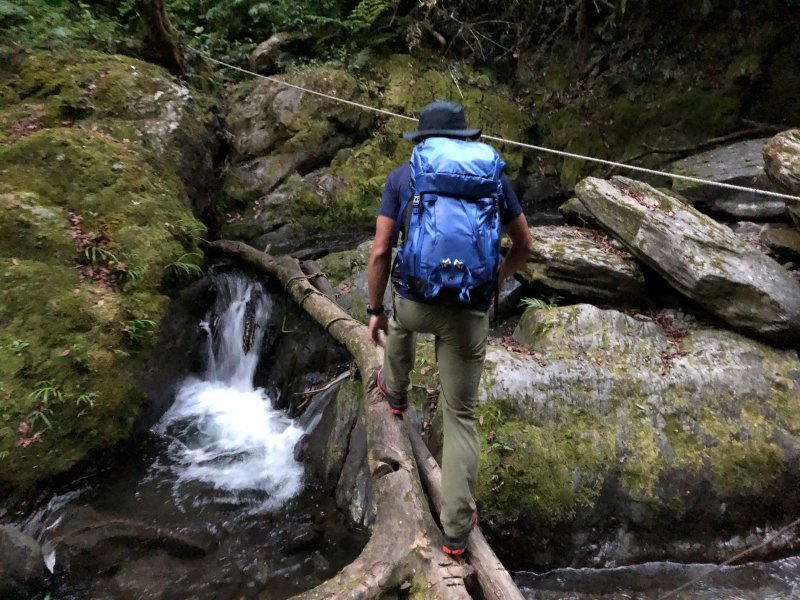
x,y
546,471
31,231
131,212
54,330
641,462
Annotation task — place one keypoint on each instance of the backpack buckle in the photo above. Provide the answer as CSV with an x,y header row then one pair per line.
x,y
415,200
458,264
446,263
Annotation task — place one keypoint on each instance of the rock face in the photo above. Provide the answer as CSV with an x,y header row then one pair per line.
x,y
782,161
582,263
307,169
95,216
335,449
21,564
700,258
637,421
739,164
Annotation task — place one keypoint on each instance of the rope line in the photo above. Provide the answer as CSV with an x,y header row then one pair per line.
x,y
562,153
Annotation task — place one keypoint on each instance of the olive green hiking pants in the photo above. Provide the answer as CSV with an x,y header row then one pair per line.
x,y
460,335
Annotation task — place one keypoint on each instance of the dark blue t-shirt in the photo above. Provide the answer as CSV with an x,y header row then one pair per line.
x,y
398,188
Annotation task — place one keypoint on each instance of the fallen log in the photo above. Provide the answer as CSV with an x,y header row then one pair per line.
x,y
404,549
492,576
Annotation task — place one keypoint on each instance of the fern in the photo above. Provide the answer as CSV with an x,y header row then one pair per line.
x,y
365,14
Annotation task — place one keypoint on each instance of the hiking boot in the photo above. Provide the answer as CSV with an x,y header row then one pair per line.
x,y
457,546
397,406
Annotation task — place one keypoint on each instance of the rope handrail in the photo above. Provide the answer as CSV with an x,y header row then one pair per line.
x,y
562,153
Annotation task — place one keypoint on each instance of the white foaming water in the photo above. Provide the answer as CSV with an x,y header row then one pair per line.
x,y
226,432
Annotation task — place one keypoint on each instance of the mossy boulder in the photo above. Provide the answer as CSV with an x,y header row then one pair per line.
x,y
121,99
638,421
309,166
96,228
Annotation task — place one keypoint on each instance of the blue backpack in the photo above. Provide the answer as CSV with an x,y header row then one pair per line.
x,y
451,224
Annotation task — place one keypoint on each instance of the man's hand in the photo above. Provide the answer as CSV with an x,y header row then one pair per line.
x,y
378,323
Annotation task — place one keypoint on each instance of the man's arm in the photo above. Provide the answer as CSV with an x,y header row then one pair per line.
x,y
378,269
521,240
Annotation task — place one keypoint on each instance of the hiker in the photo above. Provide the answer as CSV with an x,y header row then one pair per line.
x,y
456,187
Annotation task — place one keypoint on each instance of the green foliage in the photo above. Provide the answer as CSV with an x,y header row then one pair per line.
x,y
538,303
99,255
59,23
139,330
17,346
46,392
186,267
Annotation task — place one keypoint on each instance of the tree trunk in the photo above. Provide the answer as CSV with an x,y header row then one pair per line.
x,y
404,549
164,45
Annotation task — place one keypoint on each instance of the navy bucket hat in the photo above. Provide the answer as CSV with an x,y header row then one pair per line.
x,y
444,119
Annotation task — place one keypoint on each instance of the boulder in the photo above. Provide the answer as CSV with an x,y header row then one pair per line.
x,y
598,420
782,161
783,243
96,222
582,263
699,257
575,213
334,448
278,52
21,564
742,164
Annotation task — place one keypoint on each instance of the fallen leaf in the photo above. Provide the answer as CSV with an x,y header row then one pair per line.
x,y
480,420
23,428
425,370
65,352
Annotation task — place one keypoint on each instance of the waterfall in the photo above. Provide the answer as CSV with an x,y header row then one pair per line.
x,y
223,433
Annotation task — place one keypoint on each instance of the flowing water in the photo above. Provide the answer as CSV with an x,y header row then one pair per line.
x,y
216,505
778,580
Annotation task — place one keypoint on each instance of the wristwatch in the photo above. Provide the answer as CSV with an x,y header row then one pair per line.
x,y
378,310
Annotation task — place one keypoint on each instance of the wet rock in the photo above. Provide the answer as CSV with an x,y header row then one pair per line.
x,y
354,489
157,576
278,52
699,257
582,263
541,199
21,564
782,160
306,537
742,164
328,421
783,243
83,540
